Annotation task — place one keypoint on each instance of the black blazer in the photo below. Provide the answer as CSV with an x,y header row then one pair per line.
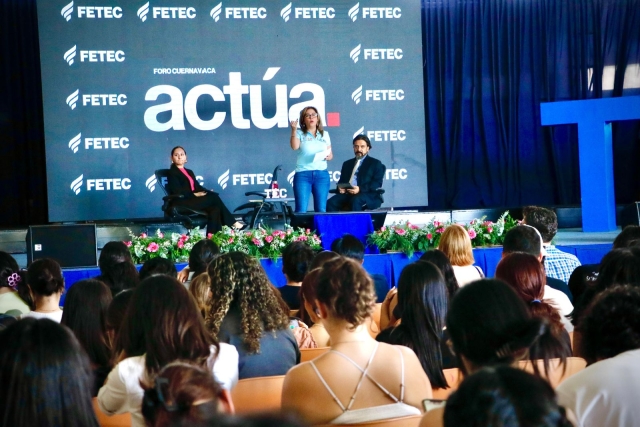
x,y
177,183
370,174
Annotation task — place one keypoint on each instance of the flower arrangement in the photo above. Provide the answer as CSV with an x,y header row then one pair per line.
x,y
409,238
260,243
175,247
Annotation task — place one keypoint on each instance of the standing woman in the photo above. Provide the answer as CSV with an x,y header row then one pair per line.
x,y
182,181
311,176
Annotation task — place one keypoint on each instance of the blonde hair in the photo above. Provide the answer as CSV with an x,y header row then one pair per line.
x,y
456,245
200,287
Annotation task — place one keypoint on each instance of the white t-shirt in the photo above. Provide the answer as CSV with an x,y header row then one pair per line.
x,y
605,394
122,391
558,299
56,316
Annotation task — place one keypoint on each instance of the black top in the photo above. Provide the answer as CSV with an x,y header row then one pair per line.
x,y
291,295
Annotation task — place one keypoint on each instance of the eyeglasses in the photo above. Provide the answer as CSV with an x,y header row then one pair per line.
x,y
310,115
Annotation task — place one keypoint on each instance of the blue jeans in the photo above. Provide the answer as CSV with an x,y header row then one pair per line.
x,y
307,182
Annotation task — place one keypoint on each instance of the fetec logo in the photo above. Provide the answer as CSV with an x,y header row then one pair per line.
x,y
354,11
73,99
70,55
67,11
151,183
76,184
286,12
215,12
355,53
74,143
290,177
143,12
223,179
356,94
358,132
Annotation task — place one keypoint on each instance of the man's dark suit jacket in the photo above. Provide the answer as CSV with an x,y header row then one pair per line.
x,y
370,176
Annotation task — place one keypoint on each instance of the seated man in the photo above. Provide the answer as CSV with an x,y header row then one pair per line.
x,y
365,174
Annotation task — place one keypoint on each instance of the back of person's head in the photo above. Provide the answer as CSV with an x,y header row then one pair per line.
x,y
619,267
182,394
163,322
200,289
611,324
523,238
44,277
347,291
455,243
490,325
117,268
321,258
542,219
85,313
440,260
10,275
116,311
422,306
156,266
201,255
296,259
349,246
239,282
504,396
308,288
629,236
45,376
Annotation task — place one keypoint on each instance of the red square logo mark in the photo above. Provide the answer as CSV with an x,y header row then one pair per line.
x,y
333,119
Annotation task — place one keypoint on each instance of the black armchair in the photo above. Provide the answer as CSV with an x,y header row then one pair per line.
x,y
189,218
380,191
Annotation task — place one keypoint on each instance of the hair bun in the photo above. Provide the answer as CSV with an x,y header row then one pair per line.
x,y
521,341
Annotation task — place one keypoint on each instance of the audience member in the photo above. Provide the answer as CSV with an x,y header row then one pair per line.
x,y
296,258
116,311
440,260
557,264
200,289
359,380
606,392
456,245
525,238
504,396
46,284
308,293
422,307
184,395
85,313
202,253
488,325
161,325
351,247
45,377
116,267
524,273
158,265
10,278
245,312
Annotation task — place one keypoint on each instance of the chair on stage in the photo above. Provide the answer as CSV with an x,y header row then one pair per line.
x,y
380,191
307,354
118,420
189,218
258,394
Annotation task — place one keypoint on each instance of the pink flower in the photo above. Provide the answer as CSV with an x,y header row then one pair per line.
x,y
473,221
472,234
180,244
383,228
429,236
308,231
289,232
301,239
414,227
256,242
153,247
230,239
210,235
143,235
268,239
400,231
440,230
128,243
437,224
489,229
184,237
161,235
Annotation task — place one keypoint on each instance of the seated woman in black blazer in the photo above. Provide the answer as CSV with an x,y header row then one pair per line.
x,y
183,181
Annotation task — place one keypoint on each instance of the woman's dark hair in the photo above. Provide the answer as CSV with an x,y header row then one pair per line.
x,y
12,277
163,323
628,237
201,255
45,376
610,324
176,147
504,396
181,394
349,246
490,325
117,310
44,277
321,258
309,284
85,313
422,306
156,266
239,281
440,260
347,290
117,268
296,258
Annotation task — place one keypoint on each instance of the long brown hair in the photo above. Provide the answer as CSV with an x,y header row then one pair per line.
x,y
303,125
237,280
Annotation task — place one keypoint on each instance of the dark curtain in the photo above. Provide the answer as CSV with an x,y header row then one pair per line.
x,y
487,66
23,189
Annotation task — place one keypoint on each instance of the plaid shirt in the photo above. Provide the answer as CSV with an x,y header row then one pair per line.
x,y
558,264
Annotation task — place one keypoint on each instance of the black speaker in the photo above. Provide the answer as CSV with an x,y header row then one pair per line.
x,y
630,215
72,245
